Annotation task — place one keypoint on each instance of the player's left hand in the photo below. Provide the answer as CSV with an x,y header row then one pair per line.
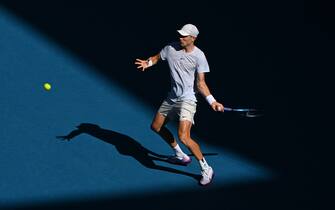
x,y
216,106
141,64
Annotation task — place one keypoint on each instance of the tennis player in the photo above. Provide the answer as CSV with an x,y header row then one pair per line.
x,y
187,63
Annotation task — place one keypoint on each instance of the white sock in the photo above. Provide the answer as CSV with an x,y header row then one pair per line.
x,y
179,153
203,164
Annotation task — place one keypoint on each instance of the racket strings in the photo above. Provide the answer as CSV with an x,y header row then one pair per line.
x,y
253,113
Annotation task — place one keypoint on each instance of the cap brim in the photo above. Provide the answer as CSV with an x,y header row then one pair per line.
x,y
183,33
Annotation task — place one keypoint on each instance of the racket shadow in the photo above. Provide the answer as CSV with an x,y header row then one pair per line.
x,y
128,146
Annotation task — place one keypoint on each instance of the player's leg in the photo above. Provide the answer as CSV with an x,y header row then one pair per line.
x,y
184,134
158,126
186,119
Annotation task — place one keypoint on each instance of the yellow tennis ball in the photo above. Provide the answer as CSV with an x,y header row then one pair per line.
x,y
47,86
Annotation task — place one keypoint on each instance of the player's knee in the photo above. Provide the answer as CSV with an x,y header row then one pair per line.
x,y
155,127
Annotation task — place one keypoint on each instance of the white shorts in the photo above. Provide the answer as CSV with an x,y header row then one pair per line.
x,y
184,110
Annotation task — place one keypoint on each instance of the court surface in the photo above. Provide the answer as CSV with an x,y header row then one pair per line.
x,y
109,158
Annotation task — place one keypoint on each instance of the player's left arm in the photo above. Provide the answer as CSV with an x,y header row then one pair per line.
x,y
205,92
144,64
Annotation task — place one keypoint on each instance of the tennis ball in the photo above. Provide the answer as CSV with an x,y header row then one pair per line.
x,y
47,86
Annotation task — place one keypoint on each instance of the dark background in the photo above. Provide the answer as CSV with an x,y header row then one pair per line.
x,y
264,54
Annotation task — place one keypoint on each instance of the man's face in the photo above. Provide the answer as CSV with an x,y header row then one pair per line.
x,y
186,40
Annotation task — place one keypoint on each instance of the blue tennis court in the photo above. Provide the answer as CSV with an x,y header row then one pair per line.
x,y
87,142
110,155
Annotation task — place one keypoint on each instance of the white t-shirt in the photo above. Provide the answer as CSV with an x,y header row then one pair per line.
x,y
183,67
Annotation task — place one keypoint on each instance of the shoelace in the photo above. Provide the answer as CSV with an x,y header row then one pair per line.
x,y
205,173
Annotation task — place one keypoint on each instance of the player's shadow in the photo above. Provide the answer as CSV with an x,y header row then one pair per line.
x,y
126,145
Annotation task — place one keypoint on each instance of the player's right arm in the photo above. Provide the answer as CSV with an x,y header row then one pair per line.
x,y
144,64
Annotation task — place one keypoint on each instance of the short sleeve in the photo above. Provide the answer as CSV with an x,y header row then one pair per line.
x,y
202,65
163,52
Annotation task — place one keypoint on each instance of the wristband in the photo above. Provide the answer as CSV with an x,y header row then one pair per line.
x,y
210,99
149,62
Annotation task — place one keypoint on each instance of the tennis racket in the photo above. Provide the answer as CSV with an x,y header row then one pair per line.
x,y
245,112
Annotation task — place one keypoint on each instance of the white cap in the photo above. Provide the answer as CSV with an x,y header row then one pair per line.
x,y
189,30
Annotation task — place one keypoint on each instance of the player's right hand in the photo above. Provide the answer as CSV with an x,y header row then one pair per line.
x,y
141,64
218,107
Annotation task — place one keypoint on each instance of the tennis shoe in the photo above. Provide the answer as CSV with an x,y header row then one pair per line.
x,y
207,176
184,161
